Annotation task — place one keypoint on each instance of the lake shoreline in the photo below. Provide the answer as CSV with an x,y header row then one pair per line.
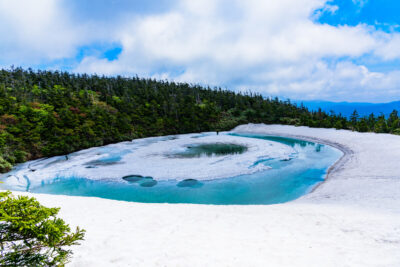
x,y
347,152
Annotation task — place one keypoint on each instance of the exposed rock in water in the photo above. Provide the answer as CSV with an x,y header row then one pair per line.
x,y
189,183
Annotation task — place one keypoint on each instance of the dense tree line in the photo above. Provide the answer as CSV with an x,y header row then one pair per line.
x,y
47,113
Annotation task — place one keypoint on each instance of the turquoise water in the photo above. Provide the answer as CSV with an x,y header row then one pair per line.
x,y
286,181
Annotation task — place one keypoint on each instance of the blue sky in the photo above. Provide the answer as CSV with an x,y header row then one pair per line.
x,y
383,14
341,50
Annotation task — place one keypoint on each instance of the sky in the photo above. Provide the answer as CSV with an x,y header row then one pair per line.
x,y
340,50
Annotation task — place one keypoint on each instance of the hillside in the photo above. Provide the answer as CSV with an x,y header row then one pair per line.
x,y
47,113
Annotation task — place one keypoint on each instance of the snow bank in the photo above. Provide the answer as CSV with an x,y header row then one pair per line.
x,y
353,219
367,176
310,235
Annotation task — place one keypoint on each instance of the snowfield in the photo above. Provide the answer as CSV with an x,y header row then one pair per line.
x,y
352,219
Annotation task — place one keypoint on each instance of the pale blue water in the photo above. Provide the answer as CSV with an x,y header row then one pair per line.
x,y
286,181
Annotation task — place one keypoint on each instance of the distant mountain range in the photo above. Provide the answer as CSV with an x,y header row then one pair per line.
x,y
347,108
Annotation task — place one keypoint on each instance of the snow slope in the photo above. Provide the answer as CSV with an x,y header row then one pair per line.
x,y
353,219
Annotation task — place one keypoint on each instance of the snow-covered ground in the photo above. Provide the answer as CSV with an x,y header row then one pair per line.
x,y
151,157
368,176
352,219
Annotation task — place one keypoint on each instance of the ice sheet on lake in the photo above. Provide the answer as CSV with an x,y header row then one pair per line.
x,y
147,157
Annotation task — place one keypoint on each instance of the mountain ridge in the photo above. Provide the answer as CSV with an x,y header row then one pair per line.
x,y
347,108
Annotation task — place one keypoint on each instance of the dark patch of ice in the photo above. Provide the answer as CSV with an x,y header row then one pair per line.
x,y
144,181
149,183
133,178
102,163
211,149
189,183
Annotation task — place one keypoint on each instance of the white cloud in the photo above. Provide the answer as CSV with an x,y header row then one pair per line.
x,y
32,29
268,46
274,47
389,49
341,81
35,31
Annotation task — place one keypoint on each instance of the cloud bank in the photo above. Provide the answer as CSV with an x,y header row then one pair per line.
x,y
275,47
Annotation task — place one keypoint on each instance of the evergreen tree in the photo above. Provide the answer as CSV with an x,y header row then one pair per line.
x,y
353,119
381,125
32,235
362,125
393,121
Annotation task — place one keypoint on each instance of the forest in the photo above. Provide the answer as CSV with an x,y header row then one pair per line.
x,y
48,113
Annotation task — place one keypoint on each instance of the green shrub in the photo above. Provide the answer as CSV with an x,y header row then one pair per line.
x,y
32,235
5,166
397,131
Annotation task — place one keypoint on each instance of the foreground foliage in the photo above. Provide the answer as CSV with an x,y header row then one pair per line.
x,y
48,113
32,235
